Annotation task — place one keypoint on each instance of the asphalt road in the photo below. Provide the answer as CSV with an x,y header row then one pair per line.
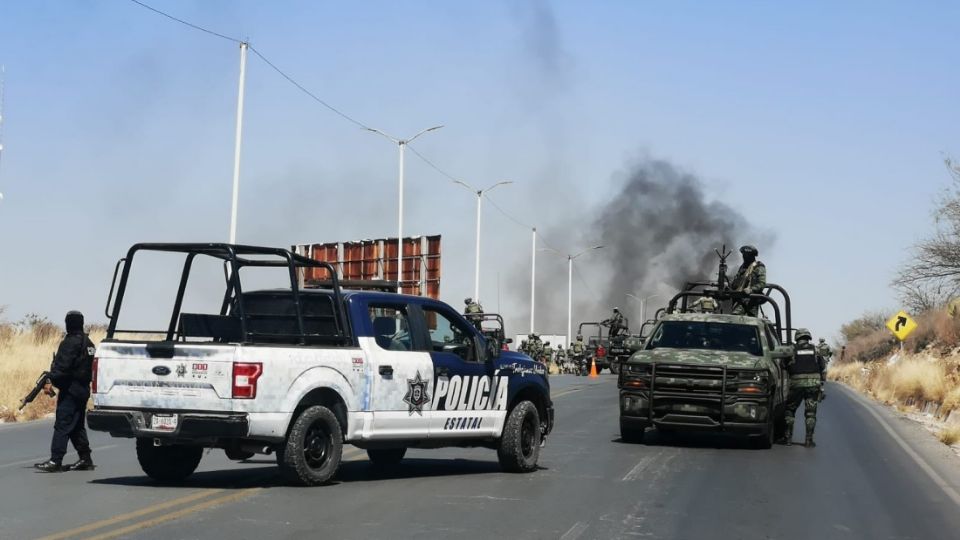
x,y
873,475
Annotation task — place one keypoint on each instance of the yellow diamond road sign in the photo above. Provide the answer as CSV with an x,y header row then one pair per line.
x,y
901,325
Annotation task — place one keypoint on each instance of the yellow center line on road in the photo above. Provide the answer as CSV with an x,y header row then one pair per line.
x,y
244,493
561,394
153,509
130,515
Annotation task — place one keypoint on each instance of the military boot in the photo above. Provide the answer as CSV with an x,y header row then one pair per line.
x,y
809,441
48,466
787,439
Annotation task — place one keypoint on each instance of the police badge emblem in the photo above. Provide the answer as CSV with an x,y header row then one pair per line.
x,y
417,396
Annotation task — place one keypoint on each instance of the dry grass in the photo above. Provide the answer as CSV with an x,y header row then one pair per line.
x,y
949,435
911,380
25,352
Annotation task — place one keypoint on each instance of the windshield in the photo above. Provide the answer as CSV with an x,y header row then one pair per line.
x,y
706,336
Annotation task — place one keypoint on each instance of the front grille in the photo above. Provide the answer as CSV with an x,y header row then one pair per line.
x,y
707,380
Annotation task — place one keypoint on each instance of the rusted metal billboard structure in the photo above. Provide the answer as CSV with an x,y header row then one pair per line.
x,y
377,260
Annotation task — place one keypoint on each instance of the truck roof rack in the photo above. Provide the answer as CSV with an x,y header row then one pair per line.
x,y
382,285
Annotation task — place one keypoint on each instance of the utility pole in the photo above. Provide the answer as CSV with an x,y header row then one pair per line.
x,y
401,145
533,278
237,144
479,193
3,72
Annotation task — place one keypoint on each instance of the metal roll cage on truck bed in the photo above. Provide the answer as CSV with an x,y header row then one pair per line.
x,y
236,327
301,370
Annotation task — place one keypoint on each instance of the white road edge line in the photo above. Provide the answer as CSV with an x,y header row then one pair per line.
x,y
945,486
639,468
575,531
39,459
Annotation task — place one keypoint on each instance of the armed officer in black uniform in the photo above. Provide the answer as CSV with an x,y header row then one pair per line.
x,y
71,372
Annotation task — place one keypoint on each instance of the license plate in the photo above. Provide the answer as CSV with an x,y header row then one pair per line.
x,y
163,422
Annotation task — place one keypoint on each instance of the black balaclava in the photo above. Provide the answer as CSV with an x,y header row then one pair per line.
x,y
74,322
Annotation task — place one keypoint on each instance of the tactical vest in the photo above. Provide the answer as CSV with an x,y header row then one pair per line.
x,y
805,361
746,278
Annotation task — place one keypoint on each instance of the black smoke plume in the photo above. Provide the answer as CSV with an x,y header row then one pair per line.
x,y
659,231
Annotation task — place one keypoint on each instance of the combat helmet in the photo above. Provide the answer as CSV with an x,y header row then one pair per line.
x,y
579,337
468,301
803,334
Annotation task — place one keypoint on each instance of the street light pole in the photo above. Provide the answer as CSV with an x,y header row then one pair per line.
x,y
643,304
237,142
569,298
570,259
533,278
479,193
401,144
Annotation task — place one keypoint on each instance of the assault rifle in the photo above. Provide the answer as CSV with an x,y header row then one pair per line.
x,y
37,388
722,282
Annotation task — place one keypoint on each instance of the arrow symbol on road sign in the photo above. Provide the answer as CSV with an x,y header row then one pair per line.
x,y
901,322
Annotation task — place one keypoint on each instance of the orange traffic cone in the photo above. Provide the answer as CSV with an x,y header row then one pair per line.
x,y
593,369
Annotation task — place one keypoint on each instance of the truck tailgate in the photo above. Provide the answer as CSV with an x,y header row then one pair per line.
x,y
196,377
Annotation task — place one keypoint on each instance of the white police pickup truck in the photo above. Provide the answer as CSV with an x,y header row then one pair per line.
x,y
300,372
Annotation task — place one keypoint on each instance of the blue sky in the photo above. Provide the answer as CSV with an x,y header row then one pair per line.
x,y
824,124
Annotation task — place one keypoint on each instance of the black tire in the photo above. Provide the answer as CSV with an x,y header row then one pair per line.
x,y
314,447
764,441
238,455
519,447
631,434
168,464
385,457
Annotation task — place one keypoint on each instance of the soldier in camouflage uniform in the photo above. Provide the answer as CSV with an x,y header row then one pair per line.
x,y
578,352
824,350
536,346
615,323
704,304
561,358
547,353
751,278
473,307
523,347
807,375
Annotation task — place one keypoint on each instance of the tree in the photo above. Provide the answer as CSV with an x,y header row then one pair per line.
x,y
932,275
867,324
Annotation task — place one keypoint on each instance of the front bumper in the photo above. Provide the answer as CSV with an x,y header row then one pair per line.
x,y
737,414
193,426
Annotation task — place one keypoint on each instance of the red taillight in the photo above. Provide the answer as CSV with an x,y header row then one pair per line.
x,y
245,375
93,379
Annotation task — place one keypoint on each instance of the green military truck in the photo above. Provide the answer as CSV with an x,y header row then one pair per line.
x,y
710,371
621,347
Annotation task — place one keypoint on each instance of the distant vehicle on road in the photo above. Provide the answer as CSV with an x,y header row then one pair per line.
x,y
299,373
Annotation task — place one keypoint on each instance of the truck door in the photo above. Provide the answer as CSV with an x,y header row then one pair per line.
x,y
402,376
469,399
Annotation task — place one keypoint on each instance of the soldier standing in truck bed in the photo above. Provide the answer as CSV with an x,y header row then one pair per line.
x,y
751,278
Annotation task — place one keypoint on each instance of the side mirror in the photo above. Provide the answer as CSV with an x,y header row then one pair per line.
x,y
508,341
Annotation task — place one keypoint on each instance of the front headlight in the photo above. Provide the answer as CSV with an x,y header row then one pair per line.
x,y
639,369
753,382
